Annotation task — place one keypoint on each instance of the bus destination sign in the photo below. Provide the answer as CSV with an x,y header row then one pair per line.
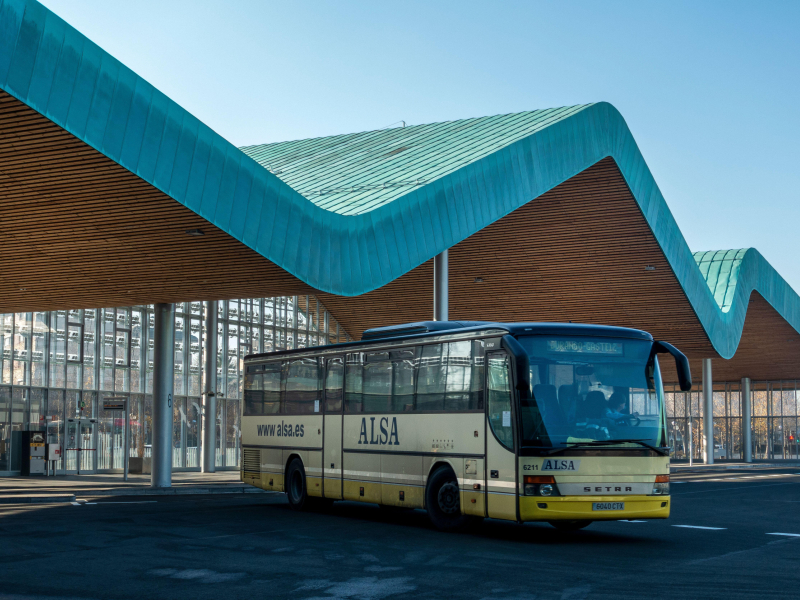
x,y
585,347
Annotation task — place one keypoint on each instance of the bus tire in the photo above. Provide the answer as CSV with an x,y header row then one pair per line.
x,y
569,525
296,490
443,500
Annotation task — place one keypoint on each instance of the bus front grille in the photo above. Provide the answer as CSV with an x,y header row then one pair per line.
x,y
251,462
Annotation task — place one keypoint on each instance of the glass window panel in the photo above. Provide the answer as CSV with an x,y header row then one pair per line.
x,y
38,403
271,382
403,373
179,364
334,380
253,391
500,399
354,383
147,426
377,382
232,441
220,441
193,433
5,428
54,419
432,377
302,386
137,425
178,420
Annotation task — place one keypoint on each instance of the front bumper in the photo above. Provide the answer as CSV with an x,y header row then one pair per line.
x,y
560,508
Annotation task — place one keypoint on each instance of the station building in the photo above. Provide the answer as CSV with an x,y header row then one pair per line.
x,y
112,195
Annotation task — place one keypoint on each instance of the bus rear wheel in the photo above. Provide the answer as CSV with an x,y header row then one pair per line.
x,y
296,490
443,500
569,525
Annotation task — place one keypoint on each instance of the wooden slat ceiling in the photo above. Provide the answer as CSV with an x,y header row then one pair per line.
x,y
77,231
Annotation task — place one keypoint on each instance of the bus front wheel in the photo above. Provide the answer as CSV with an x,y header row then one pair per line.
x,y
296,485
443,500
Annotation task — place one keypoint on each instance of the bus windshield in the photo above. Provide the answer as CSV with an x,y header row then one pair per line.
x,y
592,391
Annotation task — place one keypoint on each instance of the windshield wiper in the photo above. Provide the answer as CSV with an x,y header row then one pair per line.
x,y
594,443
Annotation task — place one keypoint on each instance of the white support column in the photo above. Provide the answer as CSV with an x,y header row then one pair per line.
x,y
209,432
708,413
163,380
440,287
747,428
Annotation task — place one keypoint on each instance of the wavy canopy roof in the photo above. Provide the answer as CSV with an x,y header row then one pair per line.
x,y
88,142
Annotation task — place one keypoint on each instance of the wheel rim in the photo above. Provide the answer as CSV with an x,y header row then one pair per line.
x,y
296,487
449,498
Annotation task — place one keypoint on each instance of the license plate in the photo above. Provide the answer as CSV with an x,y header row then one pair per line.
x,y
608,506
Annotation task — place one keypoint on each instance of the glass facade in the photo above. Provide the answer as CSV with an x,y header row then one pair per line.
x,y
57,367
774,421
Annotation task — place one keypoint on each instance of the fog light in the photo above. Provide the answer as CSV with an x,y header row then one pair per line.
x,y
546,490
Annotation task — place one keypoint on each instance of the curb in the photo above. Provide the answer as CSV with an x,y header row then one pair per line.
x,y
38,499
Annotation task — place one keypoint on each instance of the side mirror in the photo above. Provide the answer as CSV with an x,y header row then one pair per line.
x,y
522,363
681,363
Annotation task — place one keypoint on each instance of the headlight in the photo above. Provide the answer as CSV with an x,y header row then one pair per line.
x,y
661,486
541,485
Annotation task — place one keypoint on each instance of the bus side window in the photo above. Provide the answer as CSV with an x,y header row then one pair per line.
x,y
476,387
377,382
431,378
271,383
333,385
403,372
499,391
302,387
464,388
253,391
354,383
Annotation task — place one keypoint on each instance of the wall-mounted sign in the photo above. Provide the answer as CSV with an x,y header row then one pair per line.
x,y
114,403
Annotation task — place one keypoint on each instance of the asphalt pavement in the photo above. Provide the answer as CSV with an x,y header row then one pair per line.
x,y
732,534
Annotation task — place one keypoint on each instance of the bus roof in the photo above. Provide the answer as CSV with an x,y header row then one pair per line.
x,y
424,329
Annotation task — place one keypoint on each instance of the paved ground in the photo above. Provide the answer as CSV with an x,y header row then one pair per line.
x,y
253,546
101,483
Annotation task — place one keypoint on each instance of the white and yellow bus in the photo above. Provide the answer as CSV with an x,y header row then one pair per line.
x,y
562,423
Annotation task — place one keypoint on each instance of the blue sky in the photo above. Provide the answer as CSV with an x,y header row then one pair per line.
x,y
710,90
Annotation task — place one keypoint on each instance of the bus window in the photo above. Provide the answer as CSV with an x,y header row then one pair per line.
x,y
499,391
431,378
353,383
302,387
476,387
271,383
333,385
253,391
464,392
403,371
377,382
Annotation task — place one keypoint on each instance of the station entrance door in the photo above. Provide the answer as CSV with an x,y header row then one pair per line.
x,y
80,446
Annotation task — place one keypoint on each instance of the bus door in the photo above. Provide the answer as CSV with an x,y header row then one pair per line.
x,y
501,475
332,432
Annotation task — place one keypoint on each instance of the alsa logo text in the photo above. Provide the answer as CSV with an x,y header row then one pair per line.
x,y
282,430
385,433
561,465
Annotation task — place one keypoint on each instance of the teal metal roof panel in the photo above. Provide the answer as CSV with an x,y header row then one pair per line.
x,y
356,173
348,214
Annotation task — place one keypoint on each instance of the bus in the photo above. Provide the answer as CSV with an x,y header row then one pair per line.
x,y
561,423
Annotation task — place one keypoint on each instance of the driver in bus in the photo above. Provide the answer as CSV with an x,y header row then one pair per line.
x,y
616,408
